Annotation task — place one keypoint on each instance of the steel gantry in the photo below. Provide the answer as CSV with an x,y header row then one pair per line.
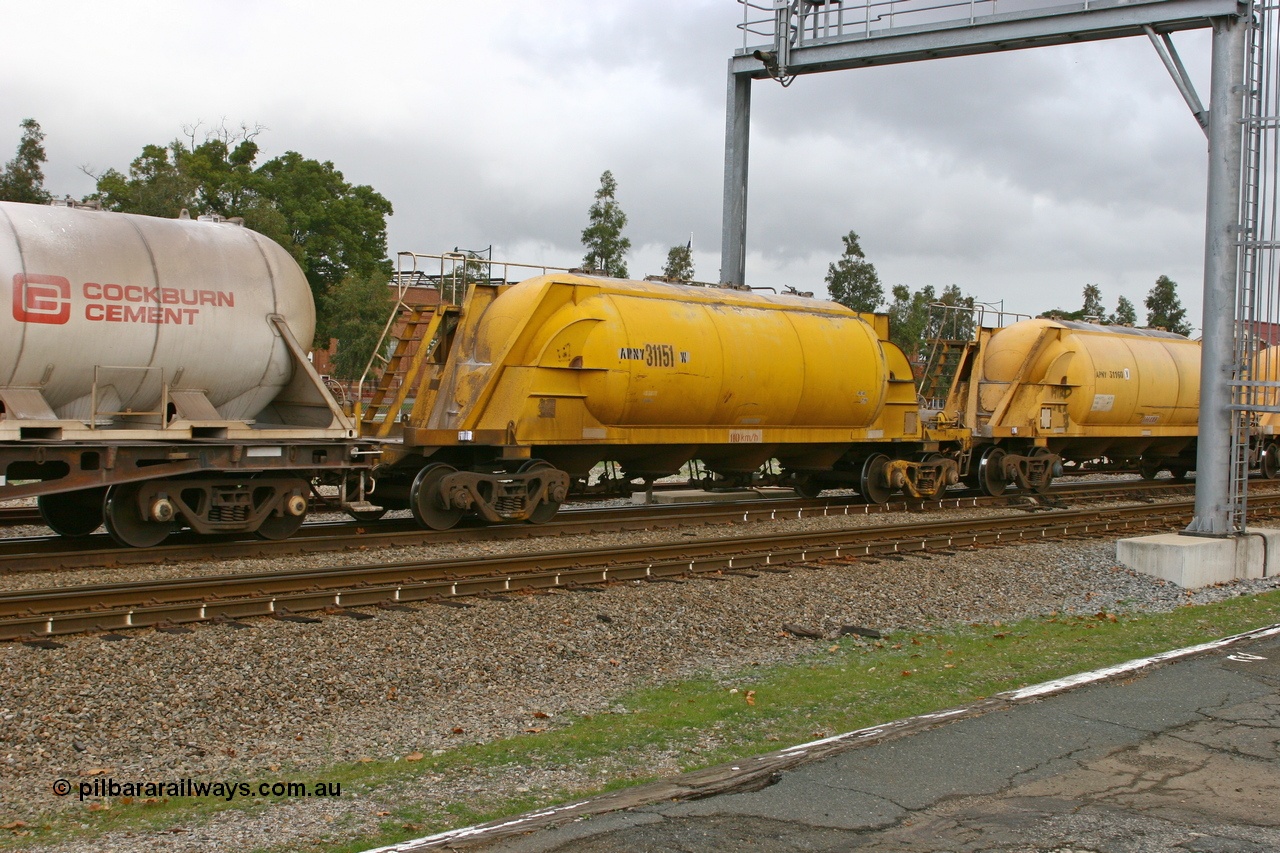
x,y
796,37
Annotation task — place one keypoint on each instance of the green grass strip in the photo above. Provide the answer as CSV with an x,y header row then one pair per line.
x,y
840,686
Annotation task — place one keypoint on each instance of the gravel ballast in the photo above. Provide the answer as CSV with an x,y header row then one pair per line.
x,y
281,700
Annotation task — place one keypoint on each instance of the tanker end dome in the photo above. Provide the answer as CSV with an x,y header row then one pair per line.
x,y
145,302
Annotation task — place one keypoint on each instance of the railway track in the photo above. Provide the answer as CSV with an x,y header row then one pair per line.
x,y
29,516
34,615
23,554
20,516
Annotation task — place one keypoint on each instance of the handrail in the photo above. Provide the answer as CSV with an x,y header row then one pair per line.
x,y
457,272
814,21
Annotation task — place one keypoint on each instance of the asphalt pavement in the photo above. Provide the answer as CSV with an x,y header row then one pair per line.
x,y
1180,753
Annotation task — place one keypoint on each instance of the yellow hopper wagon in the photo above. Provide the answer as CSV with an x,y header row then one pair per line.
x,y
1040,395
524,388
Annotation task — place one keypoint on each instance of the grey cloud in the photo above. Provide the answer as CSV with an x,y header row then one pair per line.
x,y
1027,174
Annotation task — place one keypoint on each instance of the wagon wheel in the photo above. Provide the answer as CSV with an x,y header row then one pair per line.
x,y
125,521
973,477
806,485
1042,487
426,501
546,508
990,478
275,527
1271,461
1149,468
940,485
872,483
72,514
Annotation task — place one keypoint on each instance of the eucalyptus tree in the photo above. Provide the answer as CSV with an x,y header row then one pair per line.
x,y
606,247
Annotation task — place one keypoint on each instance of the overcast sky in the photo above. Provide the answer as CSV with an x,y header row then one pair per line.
x,y
1019,177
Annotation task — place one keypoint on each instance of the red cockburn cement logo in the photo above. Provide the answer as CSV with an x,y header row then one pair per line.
x,y
41,299
47,299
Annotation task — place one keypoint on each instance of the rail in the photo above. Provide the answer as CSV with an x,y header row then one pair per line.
x,y
24,555
35,614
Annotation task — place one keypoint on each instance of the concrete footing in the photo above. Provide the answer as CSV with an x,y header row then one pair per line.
x,y
1196,561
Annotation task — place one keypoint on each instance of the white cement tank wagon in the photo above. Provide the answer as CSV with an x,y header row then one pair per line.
x,y
135,303
154,375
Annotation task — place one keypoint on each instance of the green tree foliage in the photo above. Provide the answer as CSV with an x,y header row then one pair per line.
x,y
1093,309
606,247
909,317
473,268
852,281
679,263
1091,312
339,229
225,183
335,230
23,176
919,321
951,316
214,177
951,319
1164,310
467,268
359,306
1125,314
156,185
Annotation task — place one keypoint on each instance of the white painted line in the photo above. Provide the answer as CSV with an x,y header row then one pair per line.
x,y
1058,685
470,831
1036,690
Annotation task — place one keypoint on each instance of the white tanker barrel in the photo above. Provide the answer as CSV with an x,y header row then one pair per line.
x,y
144,301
